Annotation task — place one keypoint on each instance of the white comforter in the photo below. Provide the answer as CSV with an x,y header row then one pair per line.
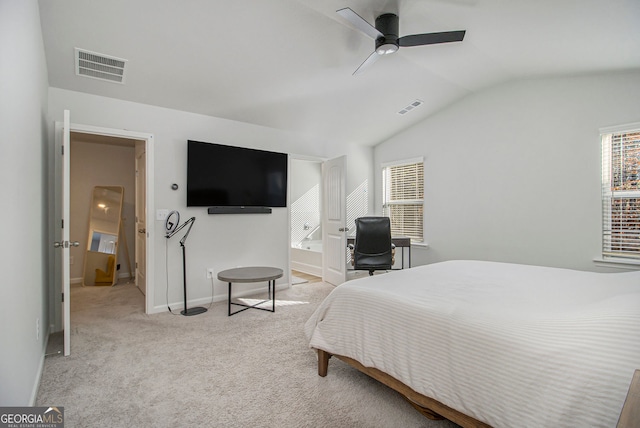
x,y
510,345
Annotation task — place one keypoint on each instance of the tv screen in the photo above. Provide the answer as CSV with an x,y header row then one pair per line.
x,y
220,175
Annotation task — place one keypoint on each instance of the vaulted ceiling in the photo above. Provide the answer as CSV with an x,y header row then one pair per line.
x,y
288,64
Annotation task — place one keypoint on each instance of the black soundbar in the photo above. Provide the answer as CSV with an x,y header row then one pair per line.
x,y
239,210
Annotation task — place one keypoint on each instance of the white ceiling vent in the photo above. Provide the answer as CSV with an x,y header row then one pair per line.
x,y
99,66
407,109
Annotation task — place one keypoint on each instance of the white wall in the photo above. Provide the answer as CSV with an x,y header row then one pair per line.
x,y
23,118
360,183
217,241
304,174
513,173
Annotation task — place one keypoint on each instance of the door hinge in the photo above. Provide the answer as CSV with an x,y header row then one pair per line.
x,y
62,223
62,150
62,297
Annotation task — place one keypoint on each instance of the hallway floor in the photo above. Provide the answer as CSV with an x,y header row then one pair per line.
x,y
300,278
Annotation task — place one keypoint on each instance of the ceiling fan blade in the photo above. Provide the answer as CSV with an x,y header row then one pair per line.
x,y
359,22
367,63
431,38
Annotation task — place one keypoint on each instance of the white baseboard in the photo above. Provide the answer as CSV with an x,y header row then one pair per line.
x,y
206,301
36,386
121,275
127,275
306,268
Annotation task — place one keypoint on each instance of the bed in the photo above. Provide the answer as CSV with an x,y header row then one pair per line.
x,y
490,344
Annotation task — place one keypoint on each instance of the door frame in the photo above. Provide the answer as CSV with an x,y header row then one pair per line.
x,y
140,158
149,180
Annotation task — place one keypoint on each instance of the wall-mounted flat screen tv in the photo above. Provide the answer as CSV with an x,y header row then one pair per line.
x,y
228,176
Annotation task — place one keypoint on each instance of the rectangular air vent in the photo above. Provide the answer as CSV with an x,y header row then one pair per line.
x,y
407,109
99,66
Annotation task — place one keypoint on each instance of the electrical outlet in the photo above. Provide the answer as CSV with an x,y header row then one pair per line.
x,y
209,273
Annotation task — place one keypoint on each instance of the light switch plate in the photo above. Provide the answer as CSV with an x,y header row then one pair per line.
x,y
161,215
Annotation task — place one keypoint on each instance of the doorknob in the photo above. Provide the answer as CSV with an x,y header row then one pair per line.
x,y
75,244
343,229
142,230
57,244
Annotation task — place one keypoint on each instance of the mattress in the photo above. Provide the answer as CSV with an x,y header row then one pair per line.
x,y
509,345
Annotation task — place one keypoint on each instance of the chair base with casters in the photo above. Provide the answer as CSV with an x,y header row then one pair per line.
x,y
372,249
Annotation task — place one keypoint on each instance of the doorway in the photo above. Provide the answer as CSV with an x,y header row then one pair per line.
x,y
62,242
317,207
98,160
146,143
306,218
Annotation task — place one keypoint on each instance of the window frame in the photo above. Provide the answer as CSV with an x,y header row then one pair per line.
x,y
386,202
610,195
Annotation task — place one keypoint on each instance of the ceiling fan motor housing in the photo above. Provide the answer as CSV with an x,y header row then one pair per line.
x,y
388,25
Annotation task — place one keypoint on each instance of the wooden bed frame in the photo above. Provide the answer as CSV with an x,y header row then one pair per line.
x,y
427,406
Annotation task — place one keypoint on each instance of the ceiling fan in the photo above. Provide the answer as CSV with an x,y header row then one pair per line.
x,y
385,34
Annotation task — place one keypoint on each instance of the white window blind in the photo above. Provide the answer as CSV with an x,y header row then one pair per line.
x,y
403,198
621,194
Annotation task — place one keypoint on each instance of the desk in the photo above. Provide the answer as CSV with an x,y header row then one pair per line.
x,y
400,241
252,274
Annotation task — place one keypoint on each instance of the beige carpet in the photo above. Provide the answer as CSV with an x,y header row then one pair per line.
x,y
252,369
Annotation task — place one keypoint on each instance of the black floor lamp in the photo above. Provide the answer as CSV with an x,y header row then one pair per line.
x,y
171,228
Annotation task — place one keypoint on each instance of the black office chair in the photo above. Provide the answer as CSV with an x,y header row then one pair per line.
x,y
373,249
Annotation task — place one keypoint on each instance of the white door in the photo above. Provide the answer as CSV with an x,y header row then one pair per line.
x,y
141,215
334,266
61,230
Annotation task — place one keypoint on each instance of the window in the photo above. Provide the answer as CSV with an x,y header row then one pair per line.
x,y
621,193
403,197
